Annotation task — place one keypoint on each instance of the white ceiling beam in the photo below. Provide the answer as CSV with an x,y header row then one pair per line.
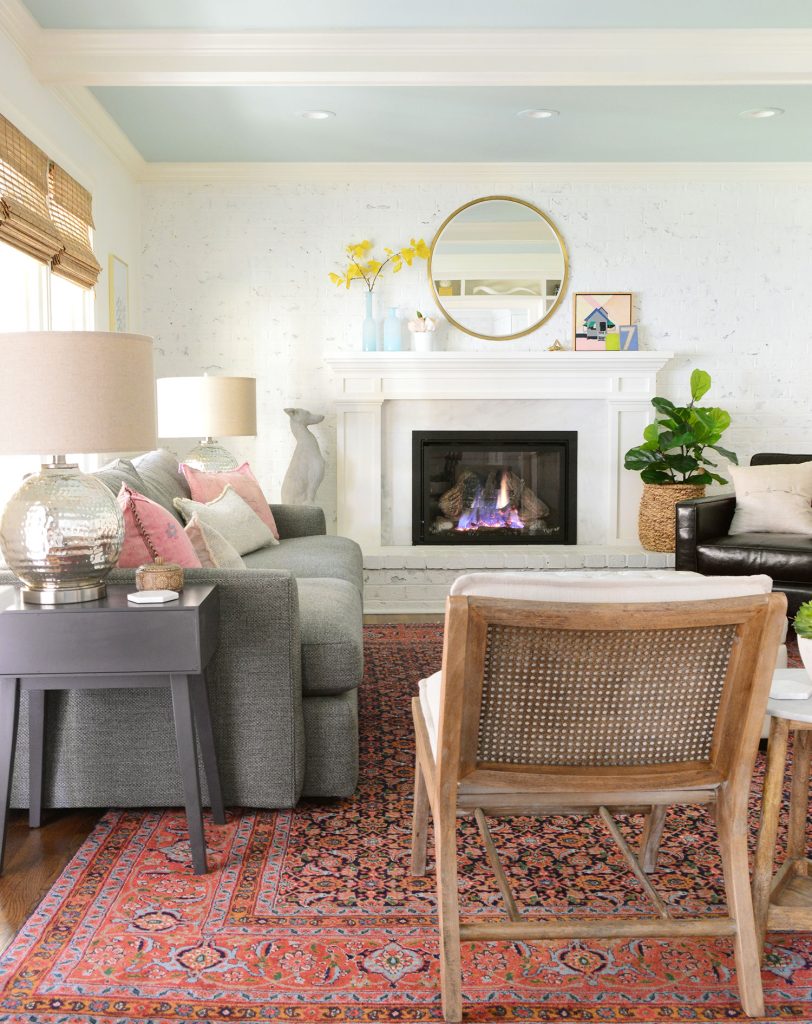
x,y
554,175
564,57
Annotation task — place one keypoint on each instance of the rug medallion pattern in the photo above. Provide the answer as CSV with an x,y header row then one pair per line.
x,y
311,915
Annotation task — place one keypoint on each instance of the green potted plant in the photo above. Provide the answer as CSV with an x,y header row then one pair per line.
x,y
674,461
803,630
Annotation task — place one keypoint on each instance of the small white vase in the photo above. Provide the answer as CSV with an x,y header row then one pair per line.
x,y
422,341
805,649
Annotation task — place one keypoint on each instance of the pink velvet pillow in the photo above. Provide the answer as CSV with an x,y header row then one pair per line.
x,y
205,487
164,531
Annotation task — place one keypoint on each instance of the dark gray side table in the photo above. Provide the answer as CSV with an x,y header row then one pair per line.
x,y
111,644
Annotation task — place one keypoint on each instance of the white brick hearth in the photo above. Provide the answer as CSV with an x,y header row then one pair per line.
x,y
417,579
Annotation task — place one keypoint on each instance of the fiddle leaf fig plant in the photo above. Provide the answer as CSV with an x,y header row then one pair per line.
x,y
803,621
676,447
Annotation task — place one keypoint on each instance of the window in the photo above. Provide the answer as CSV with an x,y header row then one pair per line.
x,y
47,264
32,298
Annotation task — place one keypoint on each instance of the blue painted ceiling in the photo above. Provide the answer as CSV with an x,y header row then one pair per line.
x,y
263,123
421,123
236,15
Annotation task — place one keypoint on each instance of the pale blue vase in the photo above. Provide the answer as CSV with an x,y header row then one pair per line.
x,y
370,334
391,331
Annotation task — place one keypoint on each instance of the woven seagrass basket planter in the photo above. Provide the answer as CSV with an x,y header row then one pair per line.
x,y
657,520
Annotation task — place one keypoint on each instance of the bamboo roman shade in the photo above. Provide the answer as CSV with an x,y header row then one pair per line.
x,y
25,221
43,210
71,211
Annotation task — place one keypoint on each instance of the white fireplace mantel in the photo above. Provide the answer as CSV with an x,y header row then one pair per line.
x,y
624,381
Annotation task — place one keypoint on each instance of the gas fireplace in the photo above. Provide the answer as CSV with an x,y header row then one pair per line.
x,y
471,487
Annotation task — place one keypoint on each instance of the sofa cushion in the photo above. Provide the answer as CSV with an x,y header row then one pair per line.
x,y
782,556
316,557
331,620
162,479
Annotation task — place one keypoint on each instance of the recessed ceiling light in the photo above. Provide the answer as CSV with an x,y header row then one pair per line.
x,y
537,114
761,112
317,115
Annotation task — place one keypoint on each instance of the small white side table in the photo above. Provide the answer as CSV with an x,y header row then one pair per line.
x,y
783,902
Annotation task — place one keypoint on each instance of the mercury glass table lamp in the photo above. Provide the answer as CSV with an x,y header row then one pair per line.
x,y
79,392
208,407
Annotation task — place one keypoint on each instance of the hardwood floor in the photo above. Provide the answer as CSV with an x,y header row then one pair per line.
x,y
35,857
34,860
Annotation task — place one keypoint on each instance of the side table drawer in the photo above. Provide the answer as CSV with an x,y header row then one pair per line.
x,y
89,640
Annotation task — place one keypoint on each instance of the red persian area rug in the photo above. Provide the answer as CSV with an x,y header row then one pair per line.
x,y
311,915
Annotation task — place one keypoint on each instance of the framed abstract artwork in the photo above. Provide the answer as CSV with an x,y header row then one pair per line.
x,y
597,318
119,294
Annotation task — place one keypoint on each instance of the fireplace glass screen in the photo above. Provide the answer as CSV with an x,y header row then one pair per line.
x,y
494,488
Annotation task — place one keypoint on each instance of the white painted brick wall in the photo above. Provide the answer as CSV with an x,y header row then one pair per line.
x,y
235,281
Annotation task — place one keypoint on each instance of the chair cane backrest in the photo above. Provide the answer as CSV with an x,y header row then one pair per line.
x,y
549,686
589,698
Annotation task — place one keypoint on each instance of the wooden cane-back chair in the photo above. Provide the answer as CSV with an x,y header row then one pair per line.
x,y
549,708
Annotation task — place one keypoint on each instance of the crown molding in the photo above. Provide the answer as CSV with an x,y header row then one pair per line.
x,y
563,57
550,174
19,25
86,109
17,22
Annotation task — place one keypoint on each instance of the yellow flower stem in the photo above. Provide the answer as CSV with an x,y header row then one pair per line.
x,y
363,275
380,268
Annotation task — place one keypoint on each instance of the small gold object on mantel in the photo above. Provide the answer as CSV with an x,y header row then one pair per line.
x,y
159,575
556,347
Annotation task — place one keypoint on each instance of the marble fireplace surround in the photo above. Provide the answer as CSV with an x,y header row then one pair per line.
x,y
382,396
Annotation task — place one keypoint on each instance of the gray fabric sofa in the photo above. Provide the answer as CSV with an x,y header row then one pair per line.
x,y
282,685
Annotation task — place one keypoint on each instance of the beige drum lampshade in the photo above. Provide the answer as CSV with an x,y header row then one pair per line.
x,y
76,391
207,406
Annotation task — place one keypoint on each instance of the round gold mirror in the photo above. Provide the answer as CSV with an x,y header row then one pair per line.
x,y
498,268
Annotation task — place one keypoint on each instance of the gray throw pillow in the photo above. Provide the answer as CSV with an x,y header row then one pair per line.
x,y
162,479
118,472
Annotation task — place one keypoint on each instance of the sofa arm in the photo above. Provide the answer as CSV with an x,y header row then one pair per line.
x,y
255,692
299,520
700,520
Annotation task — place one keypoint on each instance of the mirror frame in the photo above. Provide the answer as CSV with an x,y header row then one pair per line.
x,y
561,290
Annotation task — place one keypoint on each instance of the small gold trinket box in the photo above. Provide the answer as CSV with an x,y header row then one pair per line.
x,y
159,575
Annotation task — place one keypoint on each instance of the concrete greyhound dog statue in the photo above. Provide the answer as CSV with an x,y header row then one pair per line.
x,y
306,469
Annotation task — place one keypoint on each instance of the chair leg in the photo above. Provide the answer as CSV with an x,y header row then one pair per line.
x,y
733,845
420,820
799,800
651,838
768,829
445,845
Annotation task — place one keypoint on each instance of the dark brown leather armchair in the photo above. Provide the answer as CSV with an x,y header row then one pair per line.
x,y
703,543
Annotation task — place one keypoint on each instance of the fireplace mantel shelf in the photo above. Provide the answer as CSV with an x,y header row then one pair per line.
x,y
622,382
607,361
371,376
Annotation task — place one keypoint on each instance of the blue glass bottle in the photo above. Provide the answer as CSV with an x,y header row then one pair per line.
x,y
392,331
370,334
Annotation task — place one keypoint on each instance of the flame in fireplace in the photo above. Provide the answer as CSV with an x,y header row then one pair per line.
x,y
494,513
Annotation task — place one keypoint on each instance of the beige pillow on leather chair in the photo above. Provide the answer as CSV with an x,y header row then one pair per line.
x,y
772,499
